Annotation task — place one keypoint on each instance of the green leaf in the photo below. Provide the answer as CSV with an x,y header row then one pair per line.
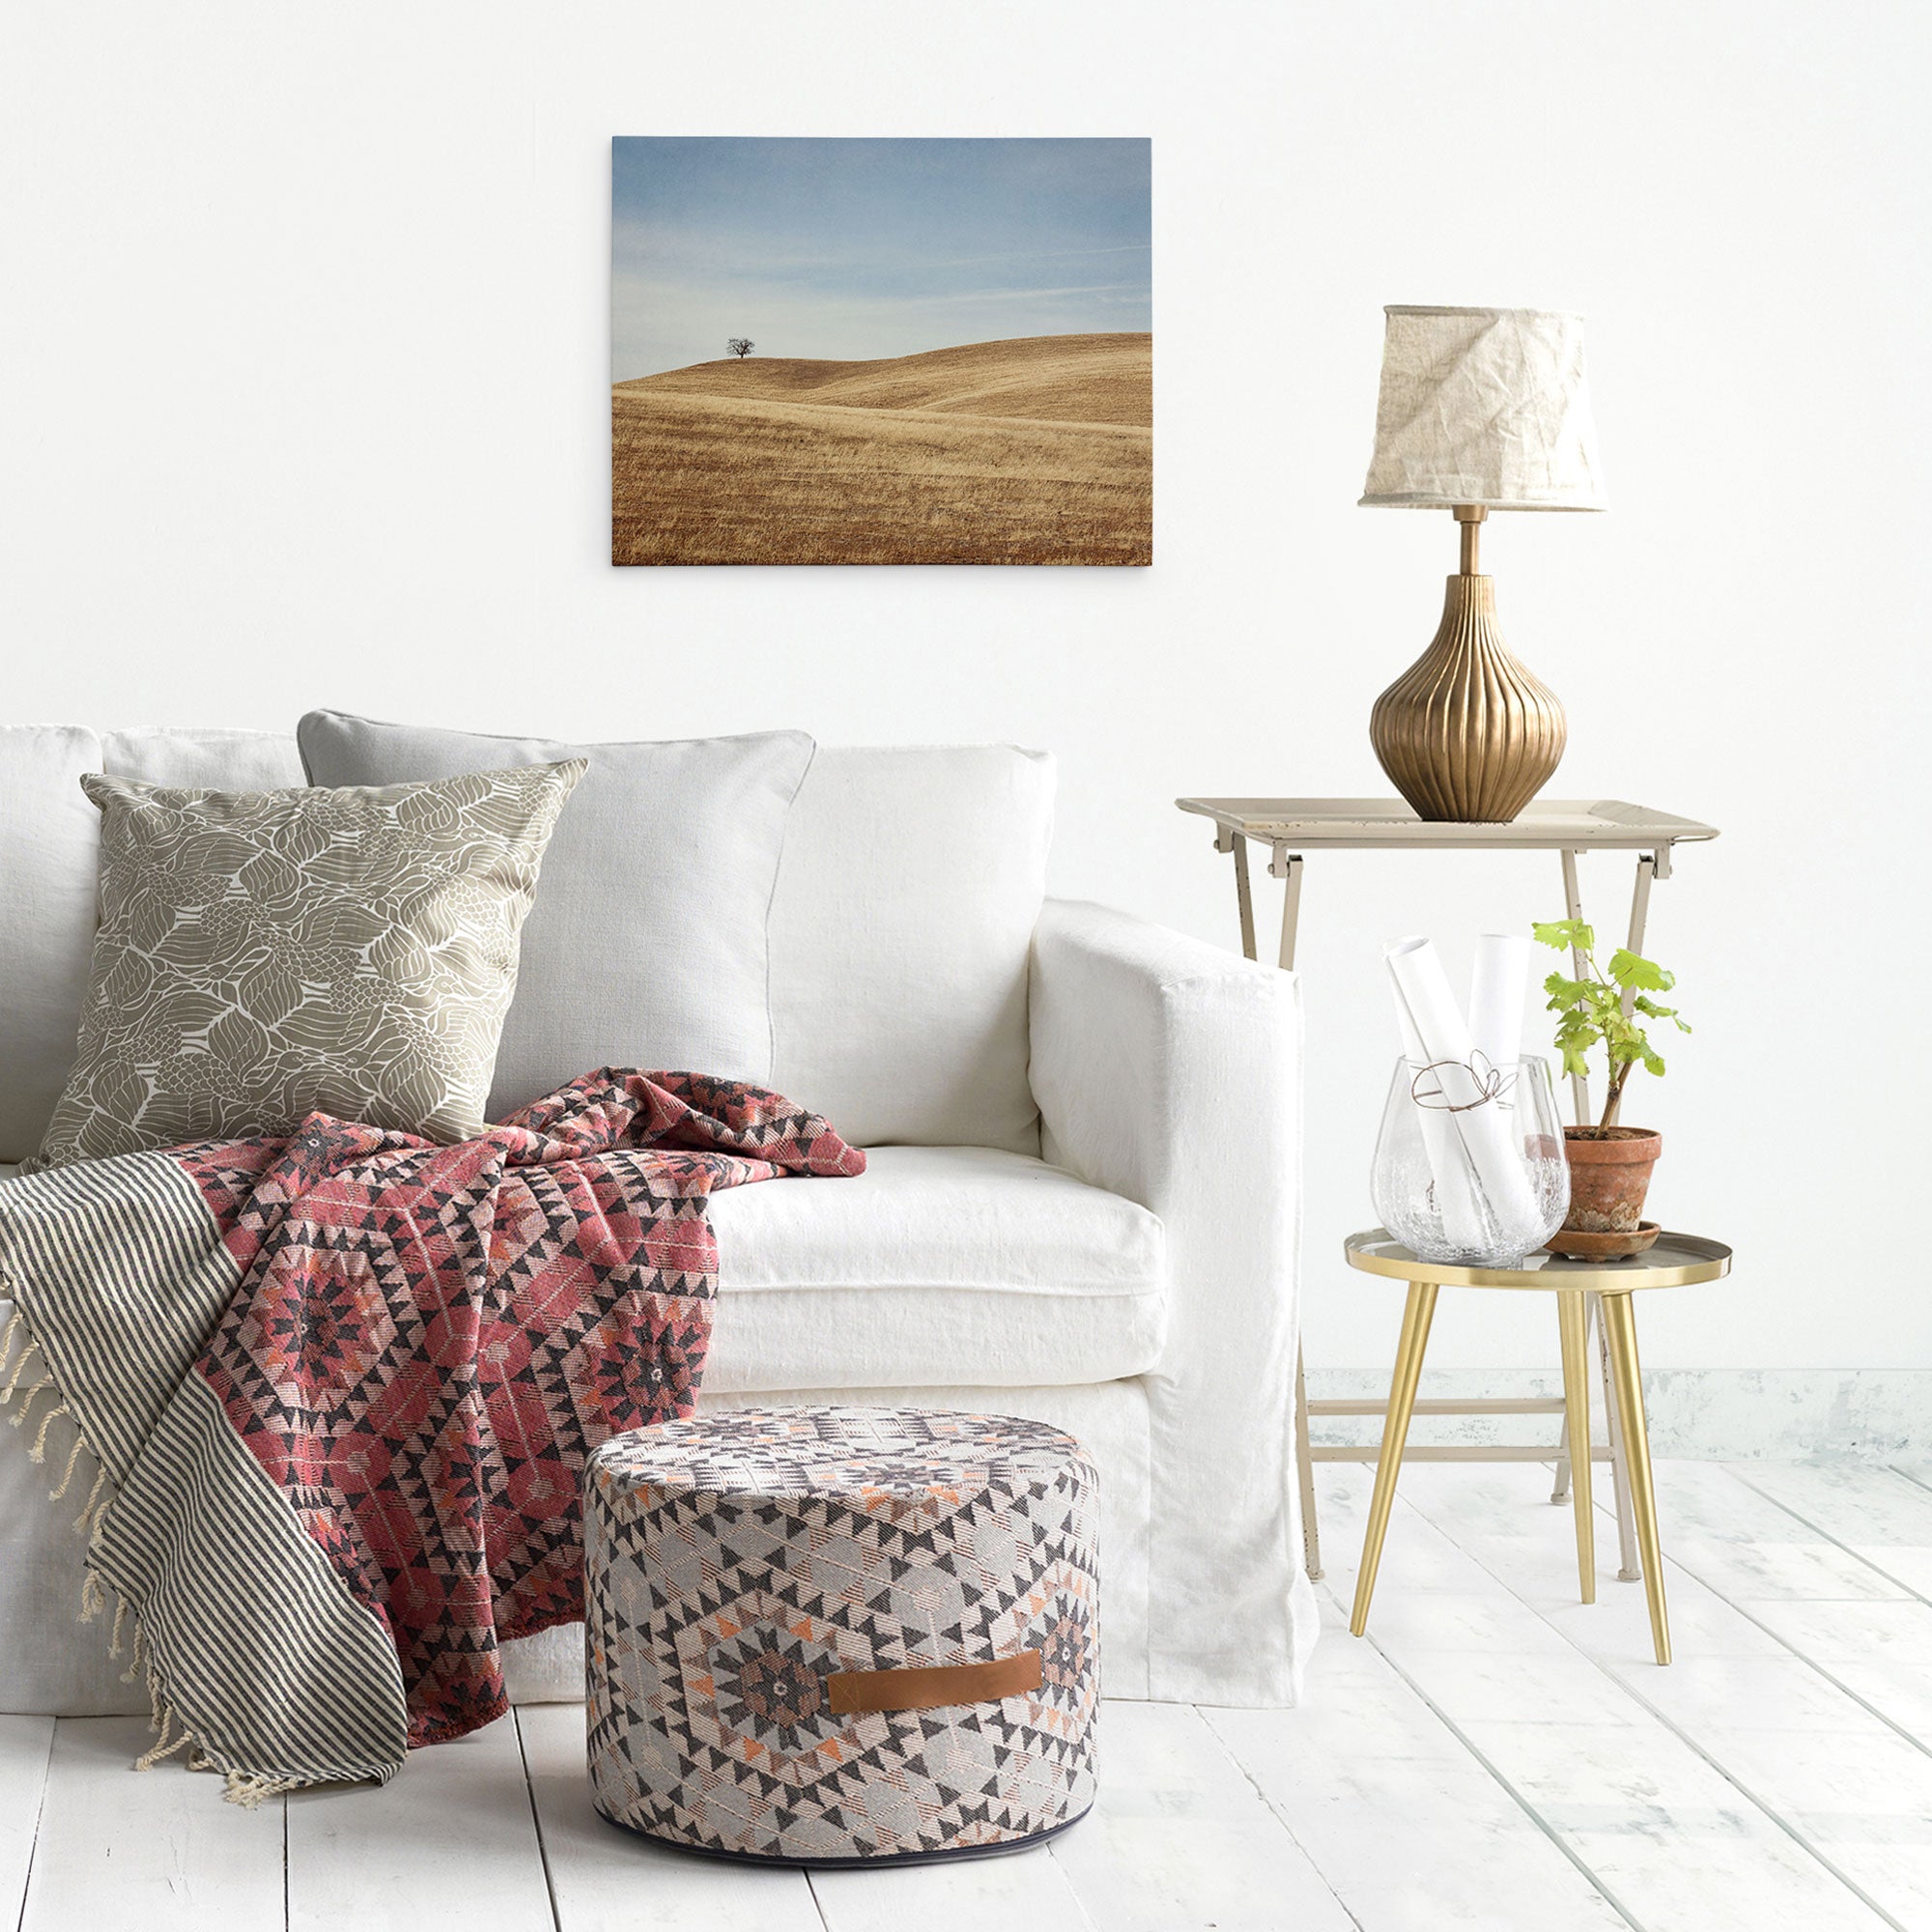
x,y
1590,1010
1565,934
1627,970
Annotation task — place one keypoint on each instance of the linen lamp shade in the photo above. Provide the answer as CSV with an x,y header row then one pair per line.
x,y
1480,409
1484,407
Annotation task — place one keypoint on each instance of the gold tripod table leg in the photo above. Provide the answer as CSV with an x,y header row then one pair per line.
x,y
1573,1327
1626,1378
1415,1321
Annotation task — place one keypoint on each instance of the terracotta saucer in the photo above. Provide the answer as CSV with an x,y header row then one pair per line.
x,y
1577,1246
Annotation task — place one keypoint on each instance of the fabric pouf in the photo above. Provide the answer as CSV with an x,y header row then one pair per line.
x,y
830,1635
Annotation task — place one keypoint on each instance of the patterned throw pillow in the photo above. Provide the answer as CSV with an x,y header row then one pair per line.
x,y
263,955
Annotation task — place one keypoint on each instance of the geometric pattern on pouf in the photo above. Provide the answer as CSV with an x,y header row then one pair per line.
x,y
843,1635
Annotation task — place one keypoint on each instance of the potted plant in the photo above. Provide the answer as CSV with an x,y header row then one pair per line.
x,y
1609,1164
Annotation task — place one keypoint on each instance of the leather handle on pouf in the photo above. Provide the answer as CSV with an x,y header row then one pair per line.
x,y
855,1690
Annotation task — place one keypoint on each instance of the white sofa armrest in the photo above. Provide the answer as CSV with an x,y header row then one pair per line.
x,y
1169,1070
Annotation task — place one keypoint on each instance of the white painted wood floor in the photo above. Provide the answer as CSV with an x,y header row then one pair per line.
x,y
1494,1756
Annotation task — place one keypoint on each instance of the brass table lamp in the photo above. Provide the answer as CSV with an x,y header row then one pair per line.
x,y
1480,409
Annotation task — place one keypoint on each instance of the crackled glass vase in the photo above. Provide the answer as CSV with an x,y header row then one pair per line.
x,y
1469,1164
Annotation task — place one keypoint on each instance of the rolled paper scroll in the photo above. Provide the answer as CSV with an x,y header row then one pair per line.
x,y
1449,1170
1466,1099
1498,987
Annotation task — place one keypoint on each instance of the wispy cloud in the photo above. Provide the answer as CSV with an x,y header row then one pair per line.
x,y
838,249
1035,255
1020,295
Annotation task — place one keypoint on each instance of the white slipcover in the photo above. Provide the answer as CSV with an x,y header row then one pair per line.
x,y
1093,1218
933,1262
911,881
51,844
1170,1072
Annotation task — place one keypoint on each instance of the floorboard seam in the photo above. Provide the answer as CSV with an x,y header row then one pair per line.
x,y
1072,1889
817,1903
1514,1795
1684,1737
1818,1530
1274,1813
1811,1663
536,1819
1917,1481
34,1838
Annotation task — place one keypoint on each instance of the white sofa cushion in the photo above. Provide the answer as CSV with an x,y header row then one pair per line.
x,y
905,901
936,1266
647,943
204,756
912,880
47,873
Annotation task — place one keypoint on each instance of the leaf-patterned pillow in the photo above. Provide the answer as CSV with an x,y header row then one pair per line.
x,y
263,955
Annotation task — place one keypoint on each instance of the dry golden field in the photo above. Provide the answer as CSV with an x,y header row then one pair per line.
x,y
1037,450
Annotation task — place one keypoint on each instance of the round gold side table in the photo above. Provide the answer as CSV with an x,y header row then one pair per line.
x,y
1675,1261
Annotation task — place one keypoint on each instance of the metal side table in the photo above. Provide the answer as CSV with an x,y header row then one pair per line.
x,y
1674,1261
1293,826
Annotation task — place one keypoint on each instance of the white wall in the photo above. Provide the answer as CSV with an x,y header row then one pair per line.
x,y
302,339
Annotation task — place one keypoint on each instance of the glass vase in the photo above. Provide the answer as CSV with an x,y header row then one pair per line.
x,y
1469,1164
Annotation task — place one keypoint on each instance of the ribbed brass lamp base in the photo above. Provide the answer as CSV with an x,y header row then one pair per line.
x,y
1466,733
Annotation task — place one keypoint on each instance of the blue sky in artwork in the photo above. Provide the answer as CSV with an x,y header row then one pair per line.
x,y
850,249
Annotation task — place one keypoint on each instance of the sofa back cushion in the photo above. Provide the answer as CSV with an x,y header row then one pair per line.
x,y
647,943
50,853
206,757
912,881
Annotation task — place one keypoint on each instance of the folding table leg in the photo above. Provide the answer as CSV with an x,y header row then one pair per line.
x,y
1304,1469
1304,1462
1630,1568
1244,896
1286,866
1573,907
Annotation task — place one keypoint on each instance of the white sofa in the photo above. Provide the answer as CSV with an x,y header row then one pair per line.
x,y
1081,1204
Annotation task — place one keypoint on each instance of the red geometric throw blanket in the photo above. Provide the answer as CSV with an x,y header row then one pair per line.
x,y
416,1346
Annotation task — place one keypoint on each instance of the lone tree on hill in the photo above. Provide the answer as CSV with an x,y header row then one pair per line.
x,y
741,346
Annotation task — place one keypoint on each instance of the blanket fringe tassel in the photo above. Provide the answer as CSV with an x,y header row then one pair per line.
x,y
172,1732
67,1475
25,1357
85,1521
149,1759
39,1452
28,1397
248,1790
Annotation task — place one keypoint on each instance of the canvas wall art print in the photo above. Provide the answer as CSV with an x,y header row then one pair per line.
x,y
881,350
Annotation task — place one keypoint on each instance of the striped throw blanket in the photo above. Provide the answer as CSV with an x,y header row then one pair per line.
x,y
339,1388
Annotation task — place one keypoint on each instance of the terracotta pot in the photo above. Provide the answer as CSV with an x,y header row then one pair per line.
x,y
1609,1175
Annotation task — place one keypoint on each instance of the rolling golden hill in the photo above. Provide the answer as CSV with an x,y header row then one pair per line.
x,y
1034,450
